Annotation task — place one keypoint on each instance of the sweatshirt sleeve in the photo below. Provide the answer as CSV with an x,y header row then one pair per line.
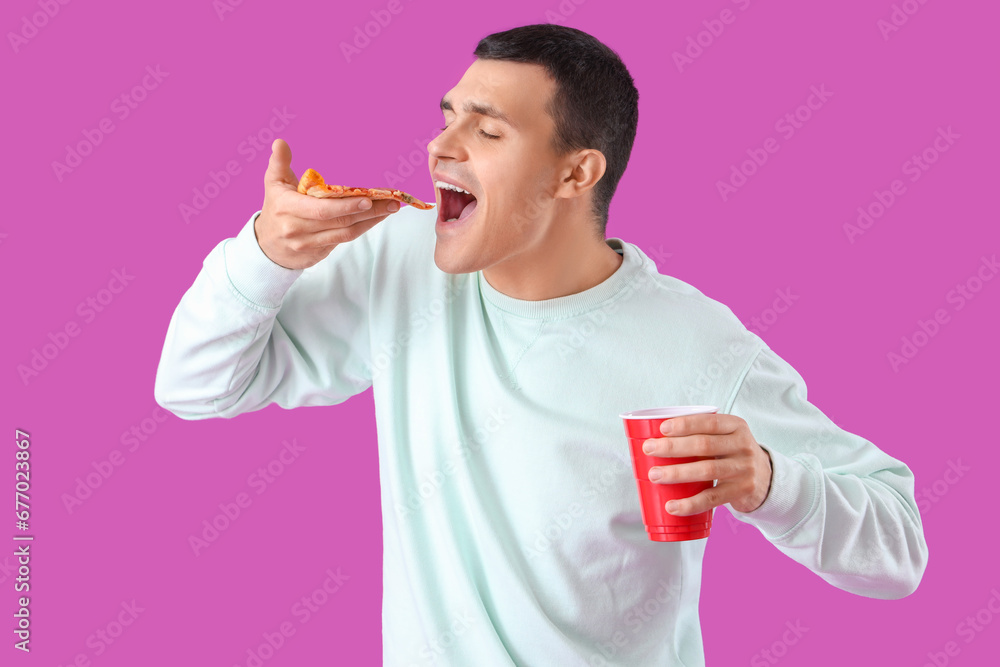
x,y
249,332
837,504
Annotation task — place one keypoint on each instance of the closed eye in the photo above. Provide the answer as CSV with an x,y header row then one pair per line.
x,y
485,134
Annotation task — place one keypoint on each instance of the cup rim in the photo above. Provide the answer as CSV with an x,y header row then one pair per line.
x,y
669,412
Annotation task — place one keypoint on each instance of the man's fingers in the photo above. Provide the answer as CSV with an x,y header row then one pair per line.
x,y
344,234
335,213
701,423
279,167
700,502
705,470
698,444
326,210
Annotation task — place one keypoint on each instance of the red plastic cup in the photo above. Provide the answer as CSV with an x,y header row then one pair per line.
x,y
641,425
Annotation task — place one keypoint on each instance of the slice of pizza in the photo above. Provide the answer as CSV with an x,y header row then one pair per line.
x,y
312,184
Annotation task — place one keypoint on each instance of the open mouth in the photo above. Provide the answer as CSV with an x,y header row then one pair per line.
x,y
455,206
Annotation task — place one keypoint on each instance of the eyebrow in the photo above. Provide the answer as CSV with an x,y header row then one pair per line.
x,y
481,108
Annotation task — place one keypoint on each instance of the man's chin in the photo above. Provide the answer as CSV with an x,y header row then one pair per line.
x,y
451,262
448,265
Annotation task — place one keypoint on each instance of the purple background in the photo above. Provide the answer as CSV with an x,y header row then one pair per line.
x,y
358,119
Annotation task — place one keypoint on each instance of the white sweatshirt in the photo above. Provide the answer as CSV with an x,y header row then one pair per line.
x,y
512,528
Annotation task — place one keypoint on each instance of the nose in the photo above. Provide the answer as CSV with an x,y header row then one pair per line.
x,y
446,145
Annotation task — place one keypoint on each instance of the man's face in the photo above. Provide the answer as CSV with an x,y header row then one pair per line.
x,y
512,174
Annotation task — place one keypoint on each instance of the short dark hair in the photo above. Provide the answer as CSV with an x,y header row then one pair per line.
x,y
595,104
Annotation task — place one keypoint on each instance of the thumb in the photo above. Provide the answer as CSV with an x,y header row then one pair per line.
x,y
279,170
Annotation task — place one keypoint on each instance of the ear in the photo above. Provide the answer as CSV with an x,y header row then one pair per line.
x,y
585,168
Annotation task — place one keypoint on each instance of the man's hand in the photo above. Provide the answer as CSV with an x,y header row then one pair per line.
x,y
742,466
296,230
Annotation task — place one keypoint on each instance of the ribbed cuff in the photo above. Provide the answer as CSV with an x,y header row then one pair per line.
x,y
252,273
790,500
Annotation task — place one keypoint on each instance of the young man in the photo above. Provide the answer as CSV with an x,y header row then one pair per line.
x,y
512,529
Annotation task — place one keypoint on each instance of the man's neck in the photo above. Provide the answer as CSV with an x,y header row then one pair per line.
x,y
569,270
